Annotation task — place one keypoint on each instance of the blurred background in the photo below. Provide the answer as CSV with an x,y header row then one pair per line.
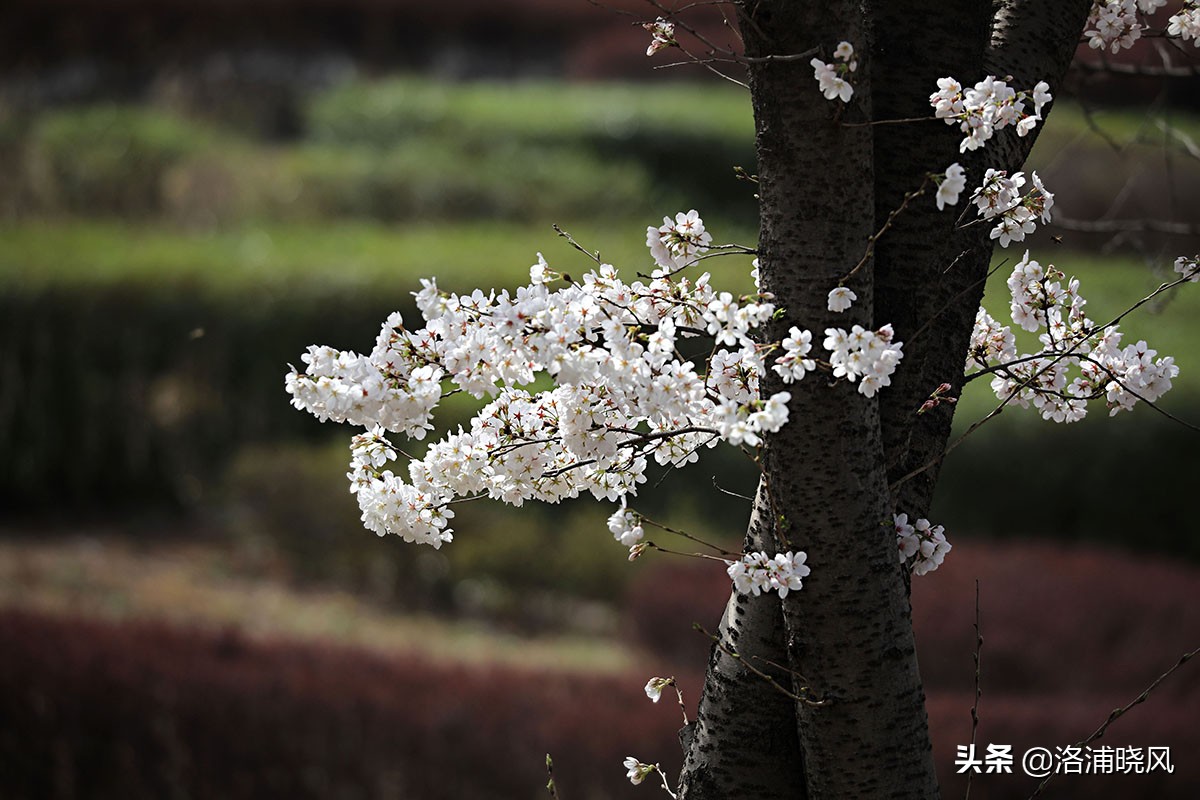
x,y
192,193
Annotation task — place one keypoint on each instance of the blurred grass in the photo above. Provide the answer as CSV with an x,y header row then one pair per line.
x,y
39,255
410,148
287,505
1069,122
200,585
382,112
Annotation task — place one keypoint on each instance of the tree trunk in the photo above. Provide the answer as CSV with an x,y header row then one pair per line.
x,y
831,474
739,707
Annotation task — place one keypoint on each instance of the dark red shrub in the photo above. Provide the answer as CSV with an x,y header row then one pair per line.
x,y
98,710
666,600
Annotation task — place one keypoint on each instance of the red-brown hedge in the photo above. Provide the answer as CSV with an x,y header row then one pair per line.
x,y
101,710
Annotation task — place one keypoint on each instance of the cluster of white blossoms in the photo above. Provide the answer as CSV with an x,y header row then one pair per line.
x,y
387,503
833,78
1071,342
999,198
869,357
675,244
756,573
348,387
1186,23
794,364
622,393
626,527
662,35
989,106
922,546
1115,24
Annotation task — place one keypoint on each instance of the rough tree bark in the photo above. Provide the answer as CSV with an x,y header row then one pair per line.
x,y
833,474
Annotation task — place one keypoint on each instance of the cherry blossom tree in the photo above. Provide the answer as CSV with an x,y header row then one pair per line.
x,y
868,139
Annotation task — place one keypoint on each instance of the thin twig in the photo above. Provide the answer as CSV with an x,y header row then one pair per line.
x,y
1117,713
682,705
593,256
665,784
978,692
723,490
887,122
688,536
779,667
995,412
908,197
769,59
950,303
774,684
649,545
1054,358
1121,382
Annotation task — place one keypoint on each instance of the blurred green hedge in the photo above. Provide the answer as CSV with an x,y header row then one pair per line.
x,y
1124,481
107,158
120,393
396,150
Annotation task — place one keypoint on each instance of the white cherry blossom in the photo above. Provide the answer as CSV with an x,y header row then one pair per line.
x,y
654,688
636,771
662,35
620,392
840,299
999,198
951,185
1186,23
676,243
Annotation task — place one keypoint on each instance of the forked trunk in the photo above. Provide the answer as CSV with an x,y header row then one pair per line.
x,y
844,643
